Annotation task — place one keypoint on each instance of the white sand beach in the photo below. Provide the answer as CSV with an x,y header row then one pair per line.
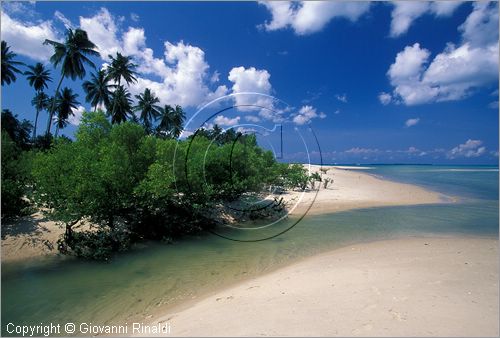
x,y
354,189
403,287
32,236
29,237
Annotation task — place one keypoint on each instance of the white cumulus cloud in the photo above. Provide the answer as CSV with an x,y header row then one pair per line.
x,y
102,30
405,12
27,39
471,148
251,80
182,70
385,98
252,118
408,64
224,121
306,17
457,71
444,8
481,26
412,122
306,114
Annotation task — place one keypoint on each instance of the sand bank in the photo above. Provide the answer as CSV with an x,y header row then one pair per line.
x,y
353,189
33,236
404,287
28,237
351,167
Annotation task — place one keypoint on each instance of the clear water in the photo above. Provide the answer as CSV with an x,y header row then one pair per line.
x,y
473,182
144,283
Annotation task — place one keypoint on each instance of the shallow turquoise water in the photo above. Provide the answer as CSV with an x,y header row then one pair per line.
x,y
476,182
143,283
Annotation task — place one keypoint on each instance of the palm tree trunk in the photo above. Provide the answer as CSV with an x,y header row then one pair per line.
x,y
51,113
57,130
36,122
114,103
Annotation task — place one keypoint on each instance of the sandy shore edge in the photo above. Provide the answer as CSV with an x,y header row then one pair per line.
x,y
404,287
356,188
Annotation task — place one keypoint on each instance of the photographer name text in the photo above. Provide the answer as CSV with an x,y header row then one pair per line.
x,y
89,329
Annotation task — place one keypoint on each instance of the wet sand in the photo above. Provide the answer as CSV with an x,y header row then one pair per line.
x,y
403,287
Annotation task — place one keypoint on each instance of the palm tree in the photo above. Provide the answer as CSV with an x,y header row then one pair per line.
x,y
122,105
146,104
65,103
38,77
98,89
122,67
178,118
171,121
166,121
9,65
41,101
216,132
72,54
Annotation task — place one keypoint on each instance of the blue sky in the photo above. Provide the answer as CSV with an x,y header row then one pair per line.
x,y
403,82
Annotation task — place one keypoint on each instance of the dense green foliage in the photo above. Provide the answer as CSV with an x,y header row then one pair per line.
x,y
296,177
18,131
131,185
15,178
15,164
137,186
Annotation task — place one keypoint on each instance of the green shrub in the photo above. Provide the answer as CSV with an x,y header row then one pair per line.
x,y
15,178
135,186
98,245
295,176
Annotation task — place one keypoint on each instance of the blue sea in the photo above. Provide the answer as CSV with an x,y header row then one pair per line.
x,y
151,280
